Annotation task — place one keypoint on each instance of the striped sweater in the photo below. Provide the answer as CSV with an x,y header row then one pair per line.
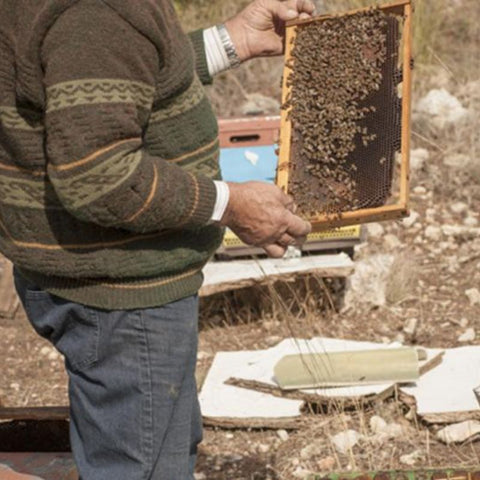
x,y
108,150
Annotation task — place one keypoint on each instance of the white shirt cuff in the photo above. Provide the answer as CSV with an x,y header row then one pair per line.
x,y
223,196
217,59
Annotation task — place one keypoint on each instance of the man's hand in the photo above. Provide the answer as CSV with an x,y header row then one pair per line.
x,y
262,215
259,30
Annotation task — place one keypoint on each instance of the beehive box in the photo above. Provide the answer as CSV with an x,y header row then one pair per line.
x,y
256,138
345,125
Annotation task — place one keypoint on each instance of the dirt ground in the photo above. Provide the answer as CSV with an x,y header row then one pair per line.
x,y
435,260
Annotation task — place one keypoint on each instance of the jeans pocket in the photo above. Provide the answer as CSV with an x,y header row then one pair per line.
x,y
72,328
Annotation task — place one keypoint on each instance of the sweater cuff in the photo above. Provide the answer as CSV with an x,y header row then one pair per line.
x,y
201,64
205,199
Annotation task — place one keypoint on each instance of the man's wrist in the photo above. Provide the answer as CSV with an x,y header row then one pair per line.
x,y
236,35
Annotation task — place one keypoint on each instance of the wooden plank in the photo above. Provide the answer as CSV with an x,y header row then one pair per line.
x,y
287,423
365,215
285,123
223,276
406,106
308,397
9,301
395,8
34,413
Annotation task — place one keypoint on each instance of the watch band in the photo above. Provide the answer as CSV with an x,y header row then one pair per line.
x,y
229,46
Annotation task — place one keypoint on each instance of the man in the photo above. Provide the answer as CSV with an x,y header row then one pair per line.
x,y
111,204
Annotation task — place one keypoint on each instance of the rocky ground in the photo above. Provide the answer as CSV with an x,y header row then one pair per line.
x,y
417,281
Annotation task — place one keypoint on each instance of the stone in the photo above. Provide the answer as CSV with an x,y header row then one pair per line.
x,y
464,322
419,190
301,472
44,351
418,157
457,160
473,295
375,230
377,424
410,326
391,241
53,355
345,441
411,219
273,340
327,463
201,355
470,221
368,283
411,459
383,430
313,449
263,448
282,435
459,432
458,207
460,231
468,336
200,476
430,215
433,233
441,108
399,338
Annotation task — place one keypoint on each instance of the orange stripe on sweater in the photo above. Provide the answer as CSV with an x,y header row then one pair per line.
x,y
14,168
150,196
195,152
156,283
94,155
73,246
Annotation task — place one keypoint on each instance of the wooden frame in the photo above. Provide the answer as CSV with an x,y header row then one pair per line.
x,y
386,212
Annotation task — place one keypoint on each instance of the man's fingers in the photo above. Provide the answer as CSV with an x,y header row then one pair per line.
x,y
306,6
298,227
286,240
275,250
299,6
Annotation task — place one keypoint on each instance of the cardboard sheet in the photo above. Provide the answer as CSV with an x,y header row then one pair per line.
x,y
220,400
449,387
221,276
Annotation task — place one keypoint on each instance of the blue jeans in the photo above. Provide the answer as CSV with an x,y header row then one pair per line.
x,y
134,411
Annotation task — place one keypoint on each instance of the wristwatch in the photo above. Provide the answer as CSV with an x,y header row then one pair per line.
x,y
229,46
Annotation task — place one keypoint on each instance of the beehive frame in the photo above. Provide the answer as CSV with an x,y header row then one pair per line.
x,y
364,215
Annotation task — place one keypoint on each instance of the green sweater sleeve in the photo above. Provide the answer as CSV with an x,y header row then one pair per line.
x,y
100,77
201,65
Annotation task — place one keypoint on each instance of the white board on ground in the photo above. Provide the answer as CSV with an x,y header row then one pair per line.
x,y
249,272
449,388
220,400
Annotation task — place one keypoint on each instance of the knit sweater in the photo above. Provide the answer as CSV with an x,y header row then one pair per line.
x,y
108,150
